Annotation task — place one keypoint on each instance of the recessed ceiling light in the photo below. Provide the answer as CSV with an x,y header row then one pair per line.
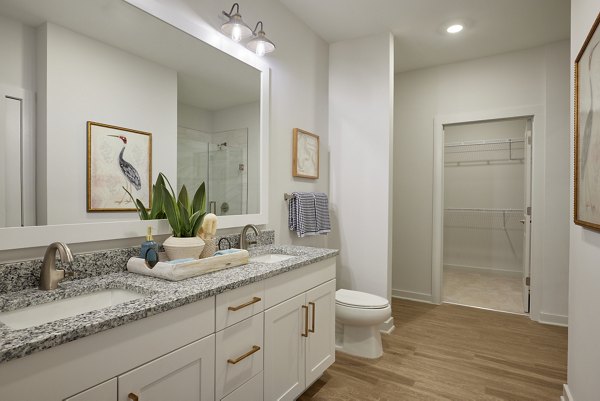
x,y
456,28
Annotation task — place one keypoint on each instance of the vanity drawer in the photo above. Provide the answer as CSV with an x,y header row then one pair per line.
x,y
252,390
239,354
239,304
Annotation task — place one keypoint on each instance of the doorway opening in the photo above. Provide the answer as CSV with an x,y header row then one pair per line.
x,y
486,214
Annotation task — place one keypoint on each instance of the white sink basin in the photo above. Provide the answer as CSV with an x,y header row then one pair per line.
x,y
270,258
68,307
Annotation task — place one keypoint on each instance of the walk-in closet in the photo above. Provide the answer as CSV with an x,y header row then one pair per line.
x,y
486,191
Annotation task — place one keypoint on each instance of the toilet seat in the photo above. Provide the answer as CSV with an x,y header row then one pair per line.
x,y
360,300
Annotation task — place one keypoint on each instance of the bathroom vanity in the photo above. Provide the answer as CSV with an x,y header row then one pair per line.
x,y
262,331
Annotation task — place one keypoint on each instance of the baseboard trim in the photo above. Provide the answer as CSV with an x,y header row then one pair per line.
x,y
566,394
413,296
500,272
554,320
387,327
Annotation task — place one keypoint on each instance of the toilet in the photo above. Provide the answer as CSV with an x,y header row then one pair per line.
x,y
358,317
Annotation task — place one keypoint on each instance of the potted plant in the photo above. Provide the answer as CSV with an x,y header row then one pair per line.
x,y
184,216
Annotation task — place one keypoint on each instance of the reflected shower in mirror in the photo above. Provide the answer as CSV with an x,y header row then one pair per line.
x,y
67,62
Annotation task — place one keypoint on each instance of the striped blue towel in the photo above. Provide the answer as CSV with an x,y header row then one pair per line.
x,y
309,213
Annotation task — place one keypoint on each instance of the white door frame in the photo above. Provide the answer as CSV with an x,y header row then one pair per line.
x,y
537,114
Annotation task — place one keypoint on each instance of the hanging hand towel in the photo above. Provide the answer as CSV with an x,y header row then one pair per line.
x,y
309,213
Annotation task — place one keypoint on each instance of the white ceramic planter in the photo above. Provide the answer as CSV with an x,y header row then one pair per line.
x,y
179,248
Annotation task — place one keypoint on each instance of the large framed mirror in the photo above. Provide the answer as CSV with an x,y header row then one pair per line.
x,y
136,64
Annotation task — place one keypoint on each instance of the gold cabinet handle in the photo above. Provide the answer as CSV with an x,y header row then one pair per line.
x,y
252,301
255,348
314,312
132,397
305,334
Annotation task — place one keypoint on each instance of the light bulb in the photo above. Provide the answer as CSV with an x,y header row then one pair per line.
x,y
260,48
236,33
454,28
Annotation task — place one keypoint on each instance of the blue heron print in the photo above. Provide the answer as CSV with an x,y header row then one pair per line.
x,y
131,175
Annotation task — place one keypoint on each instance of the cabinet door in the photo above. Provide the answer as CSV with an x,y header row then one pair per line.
x,y
186,374
106,391
320,344
284,350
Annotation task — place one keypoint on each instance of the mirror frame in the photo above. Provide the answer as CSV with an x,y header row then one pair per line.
x,y
36,236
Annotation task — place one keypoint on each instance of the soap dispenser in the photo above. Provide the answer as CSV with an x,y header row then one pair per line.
x,y
149,249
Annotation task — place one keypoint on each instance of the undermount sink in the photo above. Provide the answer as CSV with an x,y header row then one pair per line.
x,y
48,312
270,258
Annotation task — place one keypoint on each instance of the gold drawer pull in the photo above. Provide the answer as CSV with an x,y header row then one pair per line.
x,y
314,312
252,301
255,348
132,397
305,334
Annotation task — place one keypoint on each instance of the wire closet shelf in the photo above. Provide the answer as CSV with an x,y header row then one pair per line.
x,y
483,219
493,150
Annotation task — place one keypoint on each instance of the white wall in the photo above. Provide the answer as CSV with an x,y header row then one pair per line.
x,y
584,269
530,78
361,130
484,240
91,81
17,42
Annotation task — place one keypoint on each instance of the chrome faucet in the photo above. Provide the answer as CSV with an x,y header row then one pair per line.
x,y
244,243
50,275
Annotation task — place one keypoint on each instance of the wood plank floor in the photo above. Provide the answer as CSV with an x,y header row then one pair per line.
x,y
450,352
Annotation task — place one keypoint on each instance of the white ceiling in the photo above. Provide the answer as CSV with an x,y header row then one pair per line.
x,y
492,26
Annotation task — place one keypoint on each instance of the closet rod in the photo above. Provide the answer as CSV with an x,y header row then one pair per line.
x,y
467,209
483,143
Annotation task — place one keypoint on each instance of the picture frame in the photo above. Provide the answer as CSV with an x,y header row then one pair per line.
x,y
118,158
587,133
305,154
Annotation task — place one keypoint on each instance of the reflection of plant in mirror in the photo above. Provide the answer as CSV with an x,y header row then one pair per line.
x,y
157,210
185,217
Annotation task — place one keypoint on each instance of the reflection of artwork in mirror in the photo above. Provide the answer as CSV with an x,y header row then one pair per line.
x,y
118,159
587,132
305,161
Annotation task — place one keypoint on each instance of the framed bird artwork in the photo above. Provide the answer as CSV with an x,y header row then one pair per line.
x,y
118,160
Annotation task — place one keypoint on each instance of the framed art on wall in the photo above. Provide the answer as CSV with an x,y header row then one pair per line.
x,y
587,131
117,159
305,159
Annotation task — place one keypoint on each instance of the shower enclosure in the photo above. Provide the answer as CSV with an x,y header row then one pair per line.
x,y
220,160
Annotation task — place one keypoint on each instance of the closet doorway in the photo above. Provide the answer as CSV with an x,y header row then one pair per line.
x,y
487,198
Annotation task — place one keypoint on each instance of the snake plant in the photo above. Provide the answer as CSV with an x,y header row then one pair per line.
x,y
185,217
157,210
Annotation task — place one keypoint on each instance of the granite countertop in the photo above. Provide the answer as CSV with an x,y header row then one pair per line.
x,y
161,296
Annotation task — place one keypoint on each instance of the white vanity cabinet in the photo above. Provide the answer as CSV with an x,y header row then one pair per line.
x,y
183,375
299,330
106,391
265,341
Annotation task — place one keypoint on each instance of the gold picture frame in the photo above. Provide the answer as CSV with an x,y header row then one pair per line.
x,y
117,158
587,133
305,155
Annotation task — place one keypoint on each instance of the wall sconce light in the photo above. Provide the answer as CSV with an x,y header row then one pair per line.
x,y
237,30
259,44
235,27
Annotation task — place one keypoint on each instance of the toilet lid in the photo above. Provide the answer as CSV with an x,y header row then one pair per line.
x,y
359,299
